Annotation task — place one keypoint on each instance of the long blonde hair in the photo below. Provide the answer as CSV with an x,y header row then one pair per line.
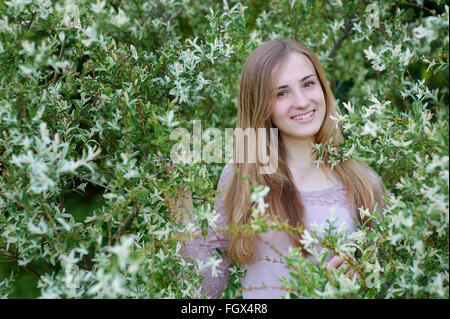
x,y
254,111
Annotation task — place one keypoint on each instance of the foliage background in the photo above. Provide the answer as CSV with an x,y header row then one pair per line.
x,y
88,102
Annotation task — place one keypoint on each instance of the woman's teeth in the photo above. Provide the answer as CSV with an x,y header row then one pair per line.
x,y
302,117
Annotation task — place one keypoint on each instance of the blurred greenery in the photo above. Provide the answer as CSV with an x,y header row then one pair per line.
x,y
80,206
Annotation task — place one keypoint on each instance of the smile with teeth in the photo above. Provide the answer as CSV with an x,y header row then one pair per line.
x,y
302,117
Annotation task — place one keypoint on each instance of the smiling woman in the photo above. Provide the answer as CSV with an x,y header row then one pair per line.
x,y
299,106
283,85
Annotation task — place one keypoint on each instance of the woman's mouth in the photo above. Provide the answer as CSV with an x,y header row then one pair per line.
x,y
305,117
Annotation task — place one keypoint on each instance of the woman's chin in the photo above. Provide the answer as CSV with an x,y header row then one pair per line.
x,y
304,133
303,136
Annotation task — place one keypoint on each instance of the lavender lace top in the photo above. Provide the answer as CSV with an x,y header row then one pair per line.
x,y
262,276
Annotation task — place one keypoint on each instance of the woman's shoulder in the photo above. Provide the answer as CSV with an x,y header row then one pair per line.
x,y
225,176
374,178
370,172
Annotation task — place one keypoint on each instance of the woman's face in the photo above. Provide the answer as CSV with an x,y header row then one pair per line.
x,y
298,107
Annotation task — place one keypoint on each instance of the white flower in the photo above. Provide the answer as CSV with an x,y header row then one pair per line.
x,y
418,245
26,142
420,94
66,225
377,104
368,111
332,211
161,255
15,3
98,7
318,228
258,197
347,285
381,160
134,52
337,119
120,19
407,56
131,173
28,47
436,162
307,240
364,212
259,192
40,229
421,32
91,33
69,259
370,54
213,262
400,144
336,25
44,133
349,107
350,151
357,236
27,70
347,126
407,221
117,285
122,250
370,128
342,227
357,27
70,166
430,192
71,14
378,66
438,284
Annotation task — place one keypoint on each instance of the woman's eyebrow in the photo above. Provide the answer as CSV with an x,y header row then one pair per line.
x,y
285,86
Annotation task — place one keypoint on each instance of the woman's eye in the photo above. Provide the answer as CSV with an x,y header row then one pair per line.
x,y
282,93
310,82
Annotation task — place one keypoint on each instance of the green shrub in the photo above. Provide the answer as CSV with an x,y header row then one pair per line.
x,y
91,90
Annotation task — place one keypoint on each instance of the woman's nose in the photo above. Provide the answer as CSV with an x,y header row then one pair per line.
x,y
300,100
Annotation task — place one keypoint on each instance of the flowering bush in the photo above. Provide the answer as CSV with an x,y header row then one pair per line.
x,y
91,91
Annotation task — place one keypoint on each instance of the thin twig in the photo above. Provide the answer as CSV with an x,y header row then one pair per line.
x,y
95,183
103,216
62,47
54,224
126,223
345,34
421,7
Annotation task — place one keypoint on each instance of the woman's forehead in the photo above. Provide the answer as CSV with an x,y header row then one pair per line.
x,y
294,66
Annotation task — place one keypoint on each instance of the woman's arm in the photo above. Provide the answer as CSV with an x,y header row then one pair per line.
x,y
199,249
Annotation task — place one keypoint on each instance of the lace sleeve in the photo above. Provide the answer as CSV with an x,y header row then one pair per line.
x,y
378,188
213,287
377,185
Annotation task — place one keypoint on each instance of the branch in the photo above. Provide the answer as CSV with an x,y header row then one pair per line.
x,y
175,15
126,223
347,32
422,7
95,183
62,47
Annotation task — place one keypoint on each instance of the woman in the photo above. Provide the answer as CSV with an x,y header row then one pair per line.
x,y
283,86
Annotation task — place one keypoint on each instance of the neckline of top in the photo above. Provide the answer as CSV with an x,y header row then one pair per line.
x,y
325,190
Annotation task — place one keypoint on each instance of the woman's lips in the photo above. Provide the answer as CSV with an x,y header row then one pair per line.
x,y
305,120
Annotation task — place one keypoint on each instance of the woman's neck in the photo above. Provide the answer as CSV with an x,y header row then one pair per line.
x,y
298,152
